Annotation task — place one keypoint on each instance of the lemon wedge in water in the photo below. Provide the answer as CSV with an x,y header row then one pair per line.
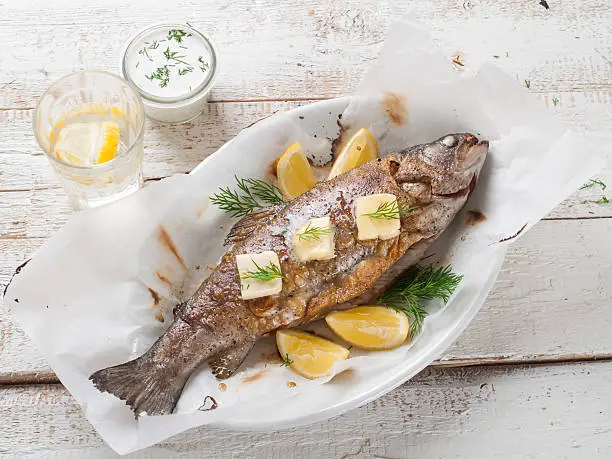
x,y
309,355
87,144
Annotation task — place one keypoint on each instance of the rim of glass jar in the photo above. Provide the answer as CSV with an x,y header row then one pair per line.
x,y
202,87
106,164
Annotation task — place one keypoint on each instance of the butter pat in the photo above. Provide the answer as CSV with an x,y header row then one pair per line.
x,y
255,262
314,240
376,228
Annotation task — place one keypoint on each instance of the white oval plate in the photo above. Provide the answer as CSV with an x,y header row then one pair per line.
x,y
317,127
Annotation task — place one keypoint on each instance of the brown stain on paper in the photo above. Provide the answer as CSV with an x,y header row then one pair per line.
x,y
271,170
395,108
457,59
163,278
166,241
157,298
254,377
474,217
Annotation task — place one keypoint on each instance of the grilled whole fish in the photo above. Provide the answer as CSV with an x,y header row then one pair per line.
x,y
217,325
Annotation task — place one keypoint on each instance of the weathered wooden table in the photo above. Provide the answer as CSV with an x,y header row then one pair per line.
x,y
532,375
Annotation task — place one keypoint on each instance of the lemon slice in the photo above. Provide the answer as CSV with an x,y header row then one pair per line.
x,y
87,144
295,176
360,149
310,356
370,327
100,110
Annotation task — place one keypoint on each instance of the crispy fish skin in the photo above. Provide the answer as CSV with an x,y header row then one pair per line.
x,y
217,325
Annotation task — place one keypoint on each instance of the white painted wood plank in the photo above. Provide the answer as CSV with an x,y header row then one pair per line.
x,y
301,50
169,149
178,148
551,302
502,412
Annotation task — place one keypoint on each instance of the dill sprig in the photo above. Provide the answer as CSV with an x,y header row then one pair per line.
x,y
390,210
602,200
420,284
182,72
253,194
177,34
313,233
287,362
266,191
144,51
264,273
174,56
237,205
203,64
592,182
162,74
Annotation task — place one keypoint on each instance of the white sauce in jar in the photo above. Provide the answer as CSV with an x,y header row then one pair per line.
x,y
173,67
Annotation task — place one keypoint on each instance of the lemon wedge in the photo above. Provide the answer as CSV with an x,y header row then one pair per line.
x,y
361,148
309,355
110,141
87,144
370,327
295,176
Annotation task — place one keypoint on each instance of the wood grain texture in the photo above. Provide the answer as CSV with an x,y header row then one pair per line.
x,y
302,51
169,149
179,148
502,412
550,302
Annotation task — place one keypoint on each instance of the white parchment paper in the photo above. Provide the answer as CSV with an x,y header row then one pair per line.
x,y
93,295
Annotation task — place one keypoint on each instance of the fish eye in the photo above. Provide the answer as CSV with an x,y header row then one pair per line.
x,y
449,141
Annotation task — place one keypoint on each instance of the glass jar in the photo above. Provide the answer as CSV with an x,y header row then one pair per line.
x,y
173,67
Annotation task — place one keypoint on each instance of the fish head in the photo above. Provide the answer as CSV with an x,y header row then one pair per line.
x,y
450,165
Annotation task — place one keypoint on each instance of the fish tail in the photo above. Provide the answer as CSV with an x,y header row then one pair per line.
x,y
141,386
153,383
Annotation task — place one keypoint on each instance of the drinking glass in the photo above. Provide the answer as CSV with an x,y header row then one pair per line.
x,y
90,124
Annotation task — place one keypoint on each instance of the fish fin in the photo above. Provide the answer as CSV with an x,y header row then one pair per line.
x,y
363,277
227,362
247,224
382,284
